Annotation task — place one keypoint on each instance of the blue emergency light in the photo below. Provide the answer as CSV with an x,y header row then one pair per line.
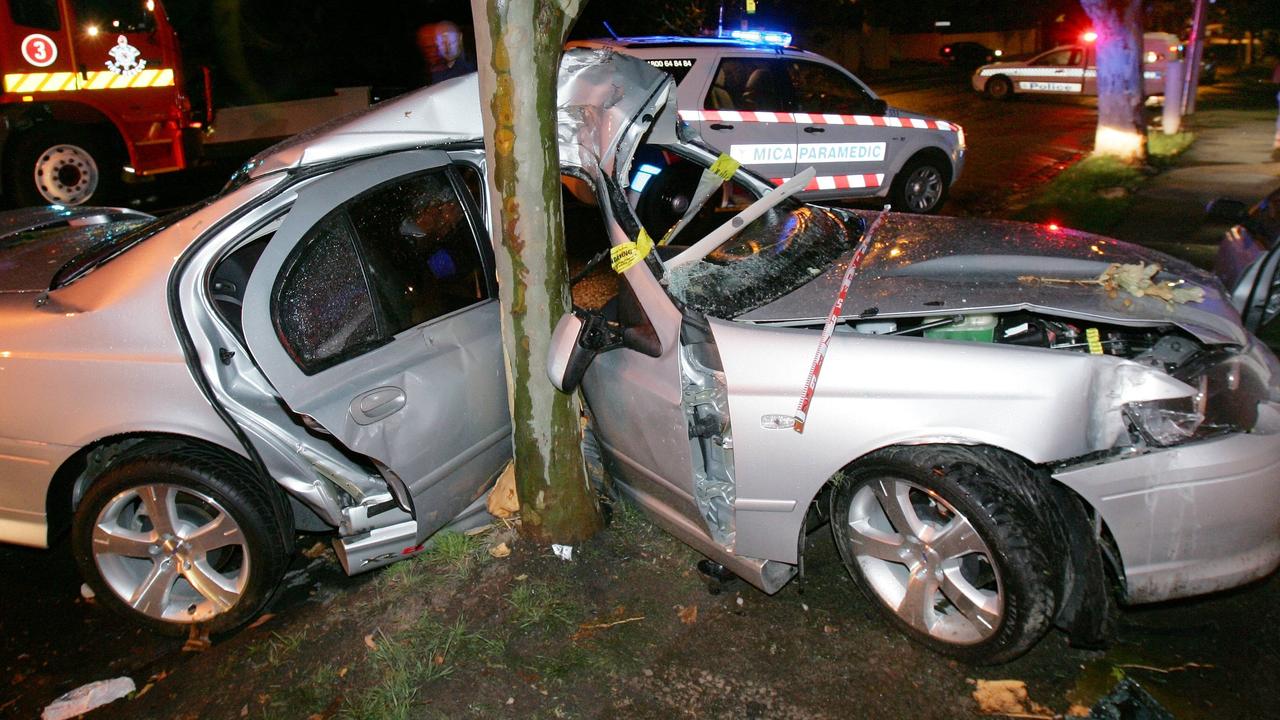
x,y
643,174
762,37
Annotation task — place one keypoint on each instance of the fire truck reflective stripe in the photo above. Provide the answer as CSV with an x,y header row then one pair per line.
x,y
840,182
815,119
100,80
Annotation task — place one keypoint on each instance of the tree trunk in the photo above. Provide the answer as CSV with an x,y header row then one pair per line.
x,y
518,48
1122,124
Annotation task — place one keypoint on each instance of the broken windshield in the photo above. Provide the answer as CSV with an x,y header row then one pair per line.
x,y
773,255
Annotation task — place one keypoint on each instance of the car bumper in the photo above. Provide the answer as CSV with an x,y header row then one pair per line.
x,y
1192,519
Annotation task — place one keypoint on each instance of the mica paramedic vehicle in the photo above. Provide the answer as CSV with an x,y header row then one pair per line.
x,y
318,348
779,110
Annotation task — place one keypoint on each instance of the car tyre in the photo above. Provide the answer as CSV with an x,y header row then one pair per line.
x,y
920,186
953,544
187,537
64,165
999,88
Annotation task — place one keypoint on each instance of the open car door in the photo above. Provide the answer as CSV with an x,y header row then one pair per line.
x,y
372,311
1261,304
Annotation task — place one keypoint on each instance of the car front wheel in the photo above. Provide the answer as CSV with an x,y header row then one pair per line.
x,y
952,544
999,88
920,187
178,539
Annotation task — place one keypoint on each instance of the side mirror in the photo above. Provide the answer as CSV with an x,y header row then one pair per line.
x,y
1226,211
879,106
575,342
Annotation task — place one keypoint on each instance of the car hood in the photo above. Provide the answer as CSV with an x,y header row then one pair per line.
x,y
938,266
998,65
38,247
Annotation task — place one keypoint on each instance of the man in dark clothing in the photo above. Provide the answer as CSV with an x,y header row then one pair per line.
x,y
441,46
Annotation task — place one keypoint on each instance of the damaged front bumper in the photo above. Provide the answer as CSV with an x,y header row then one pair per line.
x,y
1191,519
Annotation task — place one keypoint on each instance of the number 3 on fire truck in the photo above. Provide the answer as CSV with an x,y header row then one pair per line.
x,y
39,50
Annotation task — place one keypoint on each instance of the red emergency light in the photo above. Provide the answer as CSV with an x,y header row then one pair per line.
x,y
1089,36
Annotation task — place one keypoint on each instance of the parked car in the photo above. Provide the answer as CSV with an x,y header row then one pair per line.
x,y
966,54
778,110
317,348
1072,70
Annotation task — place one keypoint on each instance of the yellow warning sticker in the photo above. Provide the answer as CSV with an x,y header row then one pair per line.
x,y
1094,340
625,256
725,167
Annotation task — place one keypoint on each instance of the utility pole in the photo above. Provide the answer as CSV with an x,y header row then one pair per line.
x,y
1194,53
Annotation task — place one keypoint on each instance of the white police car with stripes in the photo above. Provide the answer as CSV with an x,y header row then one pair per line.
x,y
778,110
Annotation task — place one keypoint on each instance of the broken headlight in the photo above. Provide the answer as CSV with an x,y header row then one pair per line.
x,y
1228,389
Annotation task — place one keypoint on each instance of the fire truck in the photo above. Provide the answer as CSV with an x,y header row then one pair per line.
x,y
96,91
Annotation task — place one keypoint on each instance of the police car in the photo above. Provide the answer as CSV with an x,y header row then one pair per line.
x,y
779,110
1072,69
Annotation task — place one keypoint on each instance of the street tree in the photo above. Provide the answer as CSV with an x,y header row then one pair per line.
x,y
1122,125
518,48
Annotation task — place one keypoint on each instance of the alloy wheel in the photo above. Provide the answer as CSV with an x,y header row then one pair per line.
x,y
924,188
925,561
171,553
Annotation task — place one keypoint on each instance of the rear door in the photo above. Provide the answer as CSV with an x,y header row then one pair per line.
x,y
841,129
745,115
372,312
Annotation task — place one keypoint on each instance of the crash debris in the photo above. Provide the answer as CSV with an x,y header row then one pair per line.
x,y
87,697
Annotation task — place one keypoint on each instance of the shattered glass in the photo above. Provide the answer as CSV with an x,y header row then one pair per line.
x,y
324,310
31,258
778,252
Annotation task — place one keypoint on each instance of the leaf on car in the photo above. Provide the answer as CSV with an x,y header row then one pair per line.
x,y
1136,279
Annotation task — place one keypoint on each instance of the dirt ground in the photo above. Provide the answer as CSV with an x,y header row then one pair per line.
x,y
626,629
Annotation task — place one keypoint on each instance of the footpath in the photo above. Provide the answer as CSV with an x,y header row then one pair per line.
x,y
1231,158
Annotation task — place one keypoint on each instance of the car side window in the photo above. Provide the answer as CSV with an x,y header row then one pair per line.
x,y
821,88
398,255
419,250
323,309
747,84
1064,57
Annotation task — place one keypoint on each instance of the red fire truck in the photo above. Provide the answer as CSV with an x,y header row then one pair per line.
x,y
95,90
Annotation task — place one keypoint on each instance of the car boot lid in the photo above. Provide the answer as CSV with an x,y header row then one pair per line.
x,y
36,242
921,266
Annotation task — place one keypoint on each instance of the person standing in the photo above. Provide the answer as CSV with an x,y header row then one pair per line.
x,y
441,47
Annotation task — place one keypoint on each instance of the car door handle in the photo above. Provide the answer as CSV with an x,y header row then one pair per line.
x,y
720,126
376,404
814,129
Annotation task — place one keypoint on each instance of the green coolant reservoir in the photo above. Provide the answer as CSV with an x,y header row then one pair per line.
x,y
973,328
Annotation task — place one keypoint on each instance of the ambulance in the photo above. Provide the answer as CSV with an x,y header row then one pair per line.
x,y
1072,69
779,110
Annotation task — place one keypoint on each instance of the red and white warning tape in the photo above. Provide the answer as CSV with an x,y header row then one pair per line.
x,y
815,119
811,382
839,182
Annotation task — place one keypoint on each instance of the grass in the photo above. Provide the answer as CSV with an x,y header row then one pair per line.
x,y
403,665
1095,193
539,602
451,556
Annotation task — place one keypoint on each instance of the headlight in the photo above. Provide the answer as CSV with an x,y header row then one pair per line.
x,y
1228,386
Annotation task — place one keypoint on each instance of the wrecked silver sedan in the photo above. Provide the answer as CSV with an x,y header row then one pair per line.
x,y
999,443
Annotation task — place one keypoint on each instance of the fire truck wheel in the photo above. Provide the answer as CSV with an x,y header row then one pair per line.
x,y
60,164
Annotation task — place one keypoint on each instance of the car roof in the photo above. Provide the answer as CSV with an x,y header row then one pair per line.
x,y
664,41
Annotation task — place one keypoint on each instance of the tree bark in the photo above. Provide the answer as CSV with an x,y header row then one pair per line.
x,y
1122,124
518,48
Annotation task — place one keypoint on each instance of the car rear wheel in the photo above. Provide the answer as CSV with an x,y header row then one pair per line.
x,y
999,88
63,165
951,544
920,187
180,539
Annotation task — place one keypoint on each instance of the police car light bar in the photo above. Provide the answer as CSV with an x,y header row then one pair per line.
x,y
763,37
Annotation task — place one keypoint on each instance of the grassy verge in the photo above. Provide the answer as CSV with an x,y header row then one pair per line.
x,y
1095,193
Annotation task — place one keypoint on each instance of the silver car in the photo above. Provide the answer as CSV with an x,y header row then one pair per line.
x,y
317,348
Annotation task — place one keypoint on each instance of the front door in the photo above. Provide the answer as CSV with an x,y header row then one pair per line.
x,y
841,131
1261,304
745,116
372,312
1058,71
